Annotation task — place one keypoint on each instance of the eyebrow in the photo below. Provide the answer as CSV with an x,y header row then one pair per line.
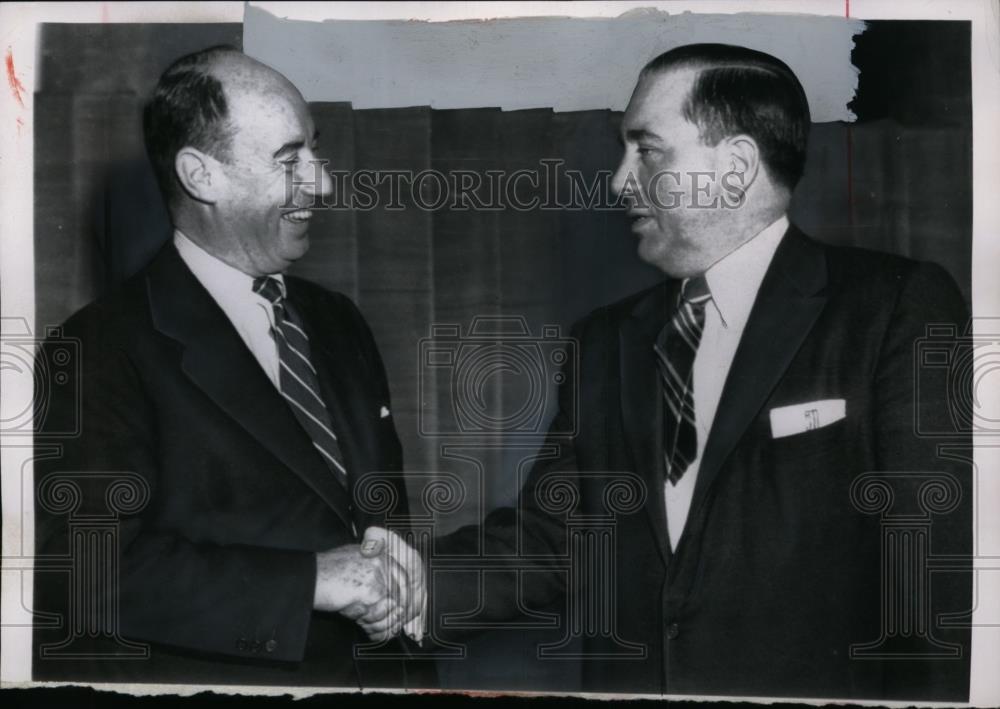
x,y
640,134
294,146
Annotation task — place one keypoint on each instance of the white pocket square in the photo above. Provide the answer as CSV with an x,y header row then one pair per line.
x,y
384,412
798,418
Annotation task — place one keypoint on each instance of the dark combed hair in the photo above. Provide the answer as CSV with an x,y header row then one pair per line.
x,y
188,108
743,91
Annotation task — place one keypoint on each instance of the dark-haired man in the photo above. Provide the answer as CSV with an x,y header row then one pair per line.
x,y
745,396
236,407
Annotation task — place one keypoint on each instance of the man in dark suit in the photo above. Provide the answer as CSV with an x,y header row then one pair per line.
x,y
227,412
739,406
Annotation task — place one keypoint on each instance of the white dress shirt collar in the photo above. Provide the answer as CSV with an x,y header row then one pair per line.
x,y
251,314
223,281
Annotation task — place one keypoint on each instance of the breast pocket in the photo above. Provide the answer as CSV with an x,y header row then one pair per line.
x,y
823,442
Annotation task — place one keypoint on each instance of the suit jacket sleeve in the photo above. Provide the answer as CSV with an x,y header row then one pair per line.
x,y
535,534
207,597
918,427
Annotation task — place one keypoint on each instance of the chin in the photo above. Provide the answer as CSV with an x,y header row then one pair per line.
x,y
670,262
656,253
296,248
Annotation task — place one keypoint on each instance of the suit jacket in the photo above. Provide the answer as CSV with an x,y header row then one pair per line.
x,y
226,501
779,570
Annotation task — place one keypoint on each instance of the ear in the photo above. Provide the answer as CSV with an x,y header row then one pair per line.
x,y
198,173
741,155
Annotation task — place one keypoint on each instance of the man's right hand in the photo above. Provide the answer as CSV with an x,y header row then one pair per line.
x,y
362,589
397,553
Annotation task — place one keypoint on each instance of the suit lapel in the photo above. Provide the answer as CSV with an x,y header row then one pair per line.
x,y
344,381
345,418
218,362
787,305
639,401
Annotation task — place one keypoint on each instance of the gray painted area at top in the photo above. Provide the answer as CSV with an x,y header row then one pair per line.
x,y
567,64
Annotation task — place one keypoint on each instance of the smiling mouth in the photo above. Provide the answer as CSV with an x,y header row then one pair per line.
x,y
299,216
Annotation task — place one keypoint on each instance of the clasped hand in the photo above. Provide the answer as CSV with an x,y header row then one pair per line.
x,y
379,584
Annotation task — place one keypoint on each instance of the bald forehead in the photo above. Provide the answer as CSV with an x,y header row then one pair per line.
x,y
268,118
242,76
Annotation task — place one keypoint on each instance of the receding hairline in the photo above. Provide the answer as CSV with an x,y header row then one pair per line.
x,y
653,81
710,64
712,55
699,66
239,73
714,94
232,78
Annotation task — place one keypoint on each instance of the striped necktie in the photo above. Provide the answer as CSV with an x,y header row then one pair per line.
x,y
297,377
675,350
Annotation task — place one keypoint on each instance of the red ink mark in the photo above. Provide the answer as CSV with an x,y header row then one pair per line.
x,y
105,15
850,150
15,85
850,176
20,124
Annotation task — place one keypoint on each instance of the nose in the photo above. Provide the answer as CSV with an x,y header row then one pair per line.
x,y
326,184
316,180
620,181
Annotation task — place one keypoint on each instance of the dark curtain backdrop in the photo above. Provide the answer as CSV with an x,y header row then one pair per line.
x,y
899,179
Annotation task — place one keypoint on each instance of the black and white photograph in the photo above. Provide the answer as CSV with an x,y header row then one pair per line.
x,y
610,350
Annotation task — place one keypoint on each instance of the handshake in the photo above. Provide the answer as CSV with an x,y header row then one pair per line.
x,y
378,584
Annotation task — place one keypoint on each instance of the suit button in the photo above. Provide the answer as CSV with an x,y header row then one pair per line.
x,y
673,630
270,645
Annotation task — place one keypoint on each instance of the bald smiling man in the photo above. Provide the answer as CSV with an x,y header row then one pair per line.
x,y
239,406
